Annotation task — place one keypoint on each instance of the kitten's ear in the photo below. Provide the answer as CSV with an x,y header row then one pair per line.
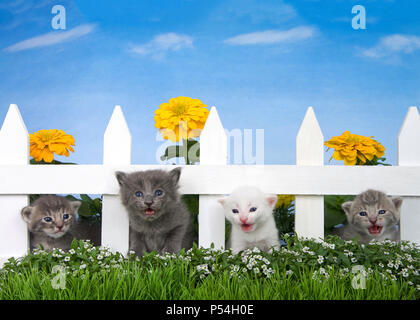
x,y
272,200
121,177
397,201
26,213
346,207
75,205
175,174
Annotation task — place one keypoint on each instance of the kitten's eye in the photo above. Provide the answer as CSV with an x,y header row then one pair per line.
x,y
47,219
158,192
363,213
235,211
381,212
139,194
66,216
253,209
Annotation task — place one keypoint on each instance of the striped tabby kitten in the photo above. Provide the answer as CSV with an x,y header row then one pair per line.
x,y
50,221
371,216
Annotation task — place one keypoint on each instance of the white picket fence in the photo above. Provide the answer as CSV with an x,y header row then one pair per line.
x,y
309,180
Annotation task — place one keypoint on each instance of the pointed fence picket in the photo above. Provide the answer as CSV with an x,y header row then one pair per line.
x,y
213,151
117,151
14,145
309,209
409,155
309,180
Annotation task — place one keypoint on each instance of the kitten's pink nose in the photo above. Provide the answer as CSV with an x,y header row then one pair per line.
x,y
243,219
372,220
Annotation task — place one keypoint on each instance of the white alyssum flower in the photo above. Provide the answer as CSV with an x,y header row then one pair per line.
x,y
320,259
348,253
203,267
234,268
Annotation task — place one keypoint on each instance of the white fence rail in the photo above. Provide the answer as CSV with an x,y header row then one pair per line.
x,y
309,180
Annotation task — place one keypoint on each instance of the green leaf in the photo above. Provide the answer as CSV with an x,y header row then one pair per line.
x,y
193,157
33,197
98,204
344,258
33,161
85,210
172,152
86,198
333,213
72,198
178,151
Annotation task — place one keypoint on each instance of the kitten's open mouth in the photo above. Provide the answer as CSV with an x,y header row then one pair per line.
x,y
375,229
149,212
246,227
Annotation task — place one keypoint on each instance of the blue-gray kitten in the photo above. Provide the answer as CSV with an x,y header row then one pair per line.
x,y
159,221
372,215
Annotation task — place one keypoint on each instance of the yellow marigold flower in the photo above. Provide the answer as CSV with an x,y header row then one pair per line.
x,y
44,143
181,117
284,200
351,147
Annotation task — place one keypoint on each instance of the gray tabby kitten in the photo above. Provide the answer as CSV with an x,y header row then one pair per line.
x,y
371,216
50,220
159,221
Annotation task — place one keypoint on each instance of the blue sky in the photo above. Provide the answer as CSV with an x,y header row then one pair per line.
x,y
261,63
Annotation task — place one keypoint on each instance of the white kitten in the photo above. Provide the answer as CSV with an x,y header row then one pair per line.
x,y
251,213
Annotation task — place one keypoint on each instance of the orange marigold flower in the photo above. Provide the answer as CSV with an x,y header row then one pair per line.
x,y
181,117
44,143
352,147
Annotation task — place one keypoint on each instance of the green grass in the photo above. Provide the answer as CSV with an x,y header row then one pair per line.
x,y
174,282
95,273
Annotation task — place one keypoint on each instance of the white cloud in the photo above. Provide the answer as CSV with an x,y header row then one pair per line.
x,y
51,38
272,36
392,45
162,43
